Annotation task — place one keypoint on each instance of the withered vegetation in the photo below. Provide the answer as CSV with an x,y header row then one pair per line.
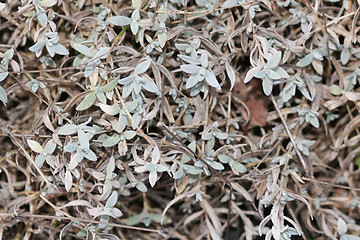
x,y
179,119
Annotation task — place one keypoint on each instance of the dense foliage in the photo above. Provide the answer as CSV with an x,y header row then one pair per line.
x,y
180,119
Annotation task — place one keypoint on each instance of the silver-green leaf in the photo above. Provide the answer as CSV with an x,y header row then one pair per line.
x,y
88,101
120,20
112,141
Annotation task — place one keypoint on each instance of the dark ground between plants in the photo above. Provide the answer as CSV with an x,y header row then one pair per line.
x,y
205,119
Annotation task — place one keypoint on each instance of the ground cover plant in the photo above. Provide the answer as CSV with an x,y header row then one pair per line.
x,y
179,119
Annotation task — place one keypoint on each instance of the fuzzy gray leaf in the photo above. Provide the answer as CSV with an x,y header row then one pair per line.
x,y
83,49
112,141
231,74
120,20
129,134
60,49
142,67
305,60
274,61
150,86
191,69
88,101
68,129
68,180
190,60
267,84
211,80
112,200
3,95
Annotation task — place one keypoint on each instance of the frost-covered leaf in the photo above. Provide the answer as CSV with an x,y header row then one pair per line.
x,y
88,101
95,212
101,96
110,168
253,9
262,73
207,136
192,146
122,123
